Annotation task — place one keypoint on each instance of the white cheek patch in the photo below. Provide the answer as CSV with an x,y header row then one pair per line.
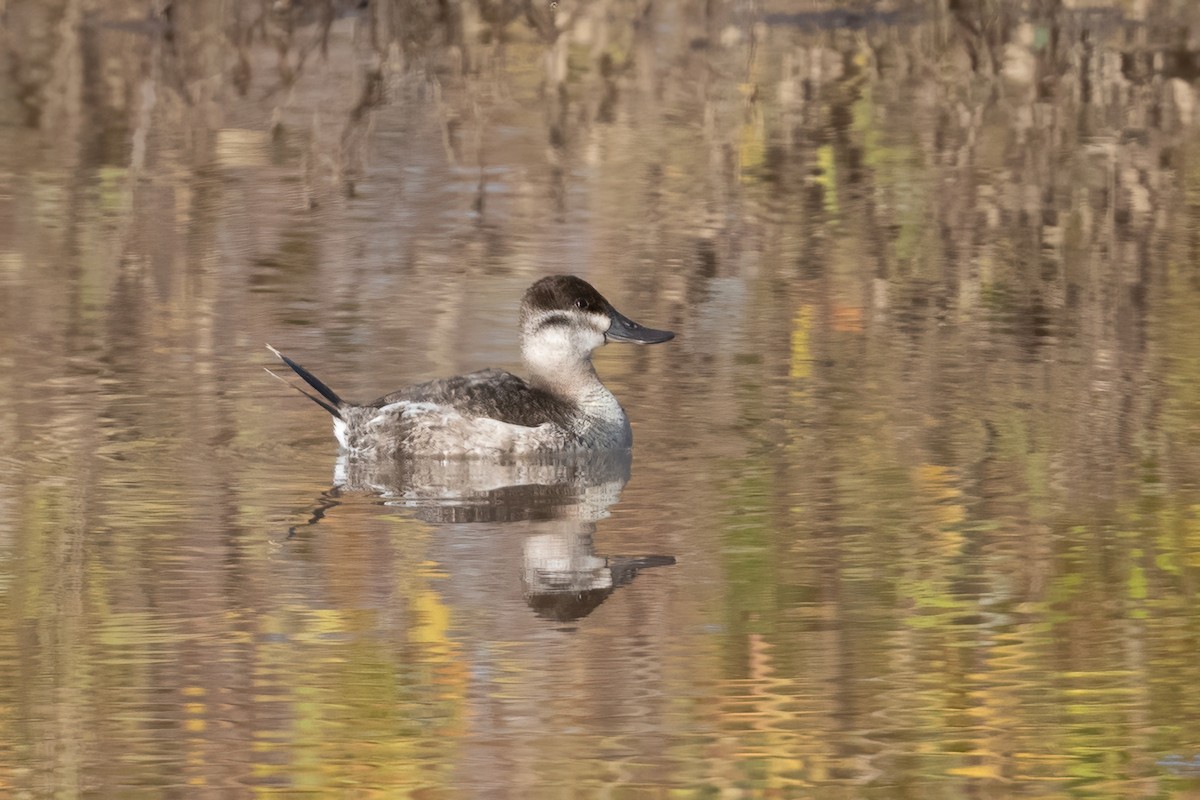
x,y
546,348
585,340
557,341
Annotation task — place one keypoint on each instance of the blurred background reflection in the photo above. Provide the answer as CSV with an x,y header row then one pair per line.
x,y
914,502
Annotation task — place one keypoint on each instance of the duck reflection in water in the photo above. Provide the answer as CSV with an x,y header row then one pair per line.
x,y
553,502
553,451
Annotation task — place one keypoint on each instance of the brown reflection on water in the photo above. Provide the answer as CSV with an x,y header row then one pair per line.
x,y
926,451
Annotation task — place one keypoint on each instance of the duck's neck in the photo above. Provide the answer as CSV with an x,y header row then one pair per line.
x,y
574,381
600,421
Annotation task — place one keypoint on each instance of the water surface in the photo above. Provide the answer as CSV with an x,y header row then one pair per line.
x,y
914,504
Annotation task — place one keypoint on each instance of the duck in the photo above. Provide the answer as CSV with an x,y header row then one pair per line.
x,y
563,407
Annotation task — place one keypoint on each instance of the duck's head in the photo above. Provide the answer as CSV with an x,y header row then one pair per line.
x,y
563,319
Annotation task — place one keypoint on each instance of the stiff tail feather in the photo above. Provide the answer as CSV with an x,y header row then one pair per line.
x,y
335,403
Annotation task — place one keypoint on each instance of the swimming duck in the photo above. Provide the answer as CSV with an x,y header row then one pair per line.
x,y
563,407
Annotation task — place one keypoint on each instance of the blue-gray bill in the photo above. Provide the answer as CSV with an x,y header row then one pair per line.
x,y
623,329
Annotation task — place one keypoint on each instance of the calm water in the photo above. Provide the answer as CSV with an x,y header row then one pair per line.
x,y
914,503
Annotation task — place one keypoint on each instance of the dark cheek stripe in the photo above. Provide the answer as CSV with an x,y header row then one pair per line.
x,y
553,319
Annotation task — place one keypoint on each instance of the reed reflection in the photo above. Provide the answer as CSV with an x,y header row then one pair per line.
x,y
933,435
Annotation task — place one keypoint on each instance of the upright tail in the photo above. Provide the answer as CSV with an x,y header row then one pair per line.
x,y
334,403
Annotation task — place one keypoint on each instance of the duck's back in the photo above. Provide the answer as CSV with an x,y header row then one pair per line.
x,y
491,394
490,412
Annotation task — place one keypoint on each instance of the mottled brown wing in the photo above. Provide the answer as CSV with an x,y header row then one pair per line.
x,y
488,393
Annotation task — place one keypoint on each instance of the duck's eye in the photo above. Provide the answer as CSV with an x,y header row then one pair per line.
x,y
581,304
